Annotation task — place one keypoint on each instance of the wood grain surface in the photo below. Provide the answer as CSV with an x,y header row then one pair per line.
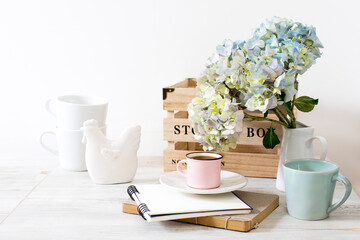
x,y
39,200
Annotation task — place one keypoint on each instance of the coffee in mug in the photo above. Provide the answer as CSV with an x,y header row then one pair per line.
x,y
203,169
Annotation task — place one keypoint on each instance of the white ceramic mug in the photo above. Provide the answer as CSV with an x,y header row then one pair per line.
x,y
71,111
70,148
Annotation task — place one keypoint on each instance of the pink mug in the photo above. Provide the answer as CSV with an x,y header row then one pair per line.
x,y
203,169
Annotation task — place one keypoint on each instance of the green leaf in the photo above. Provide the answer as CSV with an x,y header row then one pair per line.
x,y
266,114
270,139
305,103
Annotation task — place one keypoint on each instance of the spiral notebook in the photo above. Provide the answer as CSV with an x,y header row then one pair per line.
x,y
262,203
158,203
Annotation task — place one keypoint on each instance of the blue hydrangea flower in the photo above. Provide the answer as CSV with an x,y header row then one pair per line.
x,y
257,74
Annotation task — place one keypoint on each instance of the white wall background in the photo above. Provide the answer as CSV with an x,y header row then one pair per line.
x,y
127,51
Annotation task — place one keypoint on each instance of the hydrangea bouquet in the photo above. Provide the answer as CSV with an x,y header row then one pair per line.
x,y
257,74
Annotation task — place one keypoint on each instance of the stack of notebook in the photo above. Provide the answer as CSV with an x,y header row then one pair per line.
x,y
238,210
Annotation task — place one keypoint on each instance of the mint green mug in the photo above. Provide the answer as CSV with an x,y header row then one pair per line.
x,y
309,186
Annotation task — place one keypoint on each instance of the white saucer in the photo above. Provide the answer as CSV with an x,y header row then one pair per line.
x,y
230,181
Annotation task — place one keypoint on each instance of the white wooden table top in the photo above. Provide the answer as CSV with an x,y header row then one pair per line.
x,y
39,200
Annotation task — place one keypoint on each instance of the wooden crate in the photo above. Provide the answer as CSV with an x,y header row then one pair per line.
x,y
249,158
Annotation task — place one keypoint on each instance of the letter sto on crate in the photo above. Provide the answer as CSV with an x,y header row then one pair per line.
x,y
249,158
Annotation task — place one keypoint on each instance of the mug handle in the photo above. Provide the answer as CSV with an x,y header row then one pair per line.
x,y
54,151
347,190
324,145
179,169
48,108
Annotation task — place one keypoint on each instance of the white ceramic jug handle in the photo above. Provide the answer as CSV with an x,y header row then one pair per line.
x,y
323,142
48,108
54,151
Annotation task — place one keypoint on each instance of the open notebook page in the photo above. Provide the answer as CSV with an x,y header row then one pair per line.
x,y
162,200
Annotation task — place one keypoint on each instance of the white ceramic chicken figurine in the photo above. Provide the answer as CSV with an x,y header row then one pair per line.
x,y
111,161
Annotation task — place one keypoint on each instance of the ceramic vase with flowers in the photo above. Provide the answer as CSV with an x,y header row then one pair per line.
x,y
258,74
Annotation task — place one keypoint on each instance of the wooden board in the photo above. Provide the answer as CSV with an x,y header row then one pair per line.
x,y
178,96
179,129
247,164
262,204
240,148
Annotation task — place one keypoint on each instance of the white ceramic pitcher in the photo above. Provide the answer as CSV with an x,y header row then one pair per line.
x,y
297,143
